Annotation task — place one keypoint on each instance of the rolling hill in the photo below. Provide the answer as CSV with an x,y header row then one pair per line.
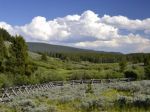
x,y
44,47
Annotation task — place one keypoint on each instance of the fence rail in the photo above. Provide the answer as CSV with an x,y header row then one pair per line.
x,y
7,94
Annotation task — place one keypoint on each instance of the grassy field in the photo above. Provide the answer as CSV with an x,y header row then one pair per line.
x,y
66,70
56,69
112,97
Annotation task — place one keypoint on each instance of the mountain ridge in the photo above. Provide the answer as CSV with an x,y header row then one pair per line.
x,y
46,47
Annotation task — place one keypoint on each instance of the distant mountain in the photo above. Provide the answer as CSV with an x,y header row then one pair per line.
x,y
44,47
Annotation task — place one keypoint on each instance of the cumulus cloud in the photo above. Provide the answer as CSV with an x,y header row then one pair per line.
x,y
88,30
129,43
126,23
8,27
72,28
41,29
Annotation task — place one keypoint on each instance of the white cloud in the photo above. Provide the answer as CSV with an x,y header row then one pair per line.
x,y
72,27
126,23
127,44
8,27
88,30
41,29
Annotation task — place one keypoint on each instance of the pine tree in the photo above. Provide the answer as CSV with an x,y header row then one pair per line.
x,y
147,61
6,36
2,53
122,65
1,48
147,71
44,57
19,56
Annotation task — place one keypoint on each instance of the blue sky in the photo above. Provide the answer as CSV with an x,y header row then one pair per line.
x,y
108,25
18,12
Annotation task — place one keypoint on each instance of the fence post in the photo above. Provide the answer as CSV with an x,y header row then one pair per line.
x,y
14,92
92,81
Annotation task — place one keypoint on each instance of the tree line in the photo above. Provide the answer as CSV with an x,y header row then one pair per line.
x,y
102,57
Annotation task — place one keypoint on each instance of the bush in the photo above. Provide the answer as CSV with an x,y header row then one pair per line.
x,y
89,89
137,101
131,74
140,72
142,101
44,57
41,108
4,81
78,75
1,67
26,103
122,65
110,74
30,69
50,76
65,99
121,102
52,109
147,72
91,104
20,80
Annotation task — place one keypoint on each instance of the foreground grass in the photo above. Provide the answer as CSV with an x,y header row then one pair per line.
x,y
112,97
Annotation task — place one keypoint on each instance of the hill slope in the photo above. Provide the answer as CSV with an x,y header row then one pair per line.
x,y
43,47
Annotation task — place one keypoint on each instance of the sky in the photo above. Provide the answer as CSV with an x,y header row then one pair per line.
x,y
103,25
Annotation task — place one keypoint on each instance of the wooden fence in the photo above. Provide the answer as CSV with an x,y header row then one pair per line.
x,y
7,94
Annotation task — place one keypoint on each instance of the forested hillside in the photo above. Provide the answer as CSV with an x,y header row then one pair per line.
x,y
43,47
75,54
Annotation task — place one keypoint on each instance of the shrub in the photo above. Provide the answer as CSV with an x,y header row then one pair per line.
x,y
110,74
51,76
1,67
52,109
44,57
78,75
89,89
20,80
65,99
140,72
85,105
41,108
130,74
4,81
147,72
121,101
141,101
26,103
30,69
91,104
122,65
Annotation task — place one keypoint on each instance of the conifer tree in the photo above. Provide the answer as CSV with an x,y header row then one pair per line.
x,y
147,71
19,55
44,57
2,53
6,36
122,65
